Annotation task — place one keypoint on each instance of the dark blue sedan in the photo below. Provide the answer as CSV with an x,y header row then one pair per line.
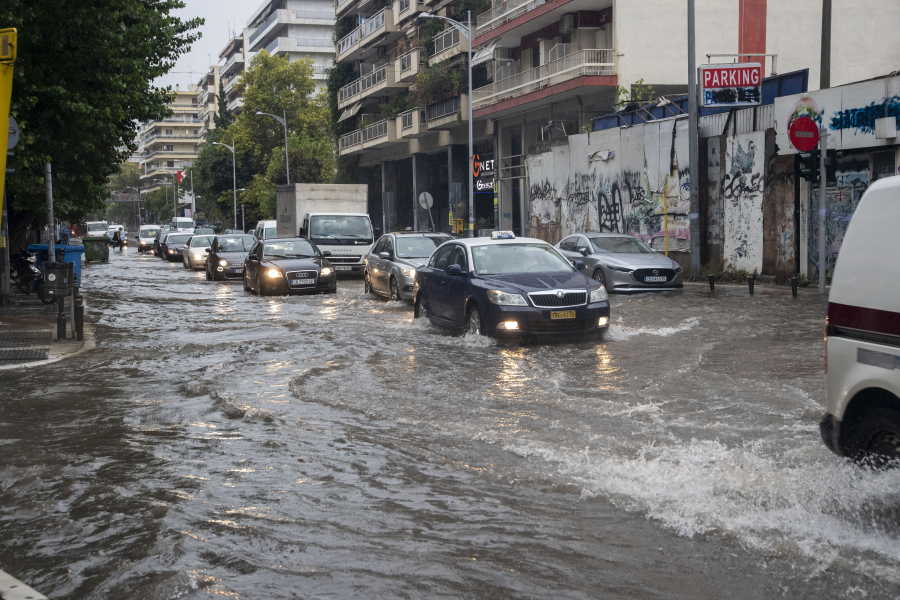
x,y
511,286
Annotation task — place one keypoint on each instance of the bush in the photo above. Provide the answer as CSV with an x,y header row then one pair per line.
x,y
729,275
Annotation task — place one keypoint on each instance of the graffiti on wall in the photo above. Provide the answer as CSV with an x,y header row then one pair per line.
x,y
742,194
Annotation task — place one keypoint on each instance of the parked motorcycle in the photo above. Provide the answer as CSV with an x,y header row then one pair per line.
x,y
28,276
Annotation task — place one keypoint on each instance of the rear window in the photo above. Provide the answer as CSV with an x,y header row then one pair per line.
x,y
178,239
271,232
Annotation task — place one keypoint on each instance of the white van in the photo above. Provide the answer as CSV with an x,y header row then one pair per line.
x,y
862,336
185,224
97,227
266,230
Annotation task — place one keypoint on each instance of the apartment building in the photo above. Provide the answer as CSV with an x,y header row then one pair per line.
x,y
297,29
542,71
170,145
207,100
237,58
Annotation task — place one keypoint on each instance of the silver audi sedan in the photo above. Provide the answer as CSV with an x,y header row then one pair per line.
x,y
622,263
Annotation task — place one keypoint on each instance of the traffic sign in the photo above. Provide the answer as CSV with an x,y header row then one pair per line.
x,y
804,134
734,84
425,200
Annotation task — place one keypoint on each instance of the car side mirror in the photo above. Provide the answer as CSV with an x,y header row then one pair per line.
x,y
579,266
208,250
453,270
584,251
326,253
384,255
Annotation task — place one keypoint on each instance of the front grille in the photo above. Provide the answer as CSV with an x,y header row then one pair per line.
x,y
552,300
302,275
639,274
561,326
343,259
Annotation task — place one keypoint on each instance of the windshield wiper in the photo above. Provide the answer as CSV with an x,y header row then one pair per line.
x,y
274,256
298,256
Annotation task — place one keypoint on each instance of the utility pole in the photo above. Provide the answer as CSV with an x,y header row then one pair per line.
x,y
825,61
823,184
51,225
694,146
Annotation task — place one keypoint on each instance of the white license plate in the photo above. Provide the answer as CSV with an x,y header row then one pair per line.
x,y
342,268
655,279
302,281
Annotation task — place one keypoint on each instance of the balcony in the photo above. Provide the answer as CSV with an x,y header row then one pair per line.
x,y
173,137
404,9
351,143
235,63
289,17
412,124
379,79
447,45
342,5
305,45
381,22
379,134
503,12
236,105
448,113
188,152
407,66
577,64
347,45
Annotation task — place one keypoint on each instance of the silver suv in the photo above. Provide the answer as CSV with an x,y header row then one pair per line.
x,y
391,263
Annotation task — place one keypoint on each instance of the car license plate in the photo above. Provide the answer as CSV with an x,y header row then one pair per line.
x,y
562,314
342,268
655,279
302,281
238,271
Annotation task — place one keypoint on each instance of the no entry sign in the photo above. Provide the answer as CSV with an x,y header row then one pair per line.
x,y
738,84
804,134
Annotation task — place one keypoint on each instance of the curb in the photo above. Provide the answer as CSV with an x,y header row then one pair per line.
x,y
13,589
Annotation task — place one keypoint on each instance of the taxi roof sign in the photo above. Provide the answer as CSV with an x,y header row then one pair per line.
x,y
503,235
8,38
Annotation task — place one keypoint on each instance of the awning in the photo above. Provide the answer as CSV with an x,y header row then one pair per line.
x,y
485,54
350,112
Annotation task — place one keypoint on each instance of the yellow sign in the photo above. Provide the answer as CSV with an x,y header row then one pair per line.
x,y
7,58
8,45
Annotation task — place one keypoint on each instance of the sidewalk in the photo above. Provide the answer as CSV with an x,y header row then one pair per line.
x,y
28,333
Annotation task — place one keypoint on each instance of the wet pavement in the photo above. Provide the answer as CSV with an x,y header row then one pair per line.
x,y
218,443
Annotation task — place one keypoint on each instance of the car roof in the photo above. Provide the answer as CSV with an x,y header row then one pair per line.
x,y
234,235
604,234
485,241
419,233
291,239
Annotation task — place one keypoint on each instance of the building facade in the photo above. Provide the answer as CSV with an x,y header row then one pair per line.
x,y
170,145
236,57
207,100
297,29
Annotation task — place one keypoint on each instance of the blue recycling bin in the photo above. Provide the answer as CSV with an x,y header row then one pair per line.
x,y
64,253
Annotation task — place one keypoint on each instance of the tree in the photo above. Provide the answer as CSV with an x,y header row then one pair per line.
x,y
82,84
223,117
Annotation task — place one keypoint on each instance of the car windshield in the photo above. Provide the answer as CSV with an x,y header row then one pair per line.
x,y
418,247
149,232
270,233
201,242
235,244
297,249
620,245
518,258
340,227
96,227
178,239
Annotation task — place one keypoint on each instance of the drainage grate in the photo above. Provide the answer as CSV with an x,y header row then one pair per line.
x,y
11,357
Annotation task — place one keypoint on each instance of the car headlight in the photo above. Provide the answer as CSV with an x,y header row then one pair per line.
x,y
621,269
274,273
408,272
504,299
678,269
599,295
171,251
223,262
325,271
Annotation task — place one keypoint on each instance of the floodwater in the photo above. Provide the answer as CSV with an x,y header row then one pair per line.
x,y
221,444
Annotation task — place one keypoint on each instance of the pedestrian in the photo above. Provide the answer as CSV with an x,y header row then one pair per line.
x,y
117,239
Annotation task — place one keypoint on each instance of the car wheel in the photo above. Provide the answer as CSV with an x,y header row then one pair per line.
x,y
473,321
419,309
395,289
208,274
184,263
875,439
599,278
246,284
367,284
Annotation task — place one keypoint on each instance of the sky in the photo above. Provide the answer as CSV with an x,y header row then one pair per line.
x,y
222,16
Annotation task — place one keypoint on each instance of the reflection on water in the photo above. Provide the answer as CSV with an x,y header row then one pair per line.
x,y
218,443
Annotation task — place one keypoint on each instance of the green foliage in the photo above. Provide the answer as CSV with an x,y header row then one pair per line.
x,y
476,6
393,107
429,31
637,93
725,275
342,27
435,83
223,116
82,84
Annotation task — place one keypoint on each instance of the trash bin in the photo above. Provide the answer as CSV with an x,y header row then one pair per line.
x,y
96,247
71,254
57,280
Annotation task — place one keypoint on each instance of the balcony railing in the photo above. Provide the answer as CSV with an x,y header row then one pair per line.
x,y
316,42
375,131
271,19
502,12
342,2
406,61
408,119
374,78
404,5
348,91
445,41
372,25
443,109
576,64
271,48
320,70
354,138
348,41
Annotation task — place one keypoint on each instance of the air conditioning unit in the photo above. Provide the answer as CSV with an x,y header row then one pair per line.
x,y
567,23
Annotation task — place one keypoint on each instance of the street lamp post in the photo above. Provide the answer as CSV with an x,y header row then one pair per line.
x,y
466,32
283,121
234,175
243,220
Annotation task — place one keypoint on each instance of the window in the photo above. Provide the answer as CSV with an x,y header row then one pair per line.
x,y
379,247
536,56
568,244
459,258
169,148
389,247
439,260
581,244
168,132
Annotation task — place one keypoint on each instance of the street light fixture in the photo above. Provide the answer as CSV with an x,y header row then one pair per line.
x,y
234,176
466,32
283,122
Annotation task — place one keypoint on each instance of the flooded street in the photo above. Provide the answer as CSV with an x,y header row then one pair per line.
x,y
219,443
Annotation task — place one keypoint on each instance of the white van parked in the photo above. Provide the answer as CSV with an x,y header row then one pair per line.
x,y
862,338
266,230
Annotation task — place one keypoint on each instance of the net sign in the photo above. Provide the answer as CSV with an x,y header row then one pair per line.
x,y
737,84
